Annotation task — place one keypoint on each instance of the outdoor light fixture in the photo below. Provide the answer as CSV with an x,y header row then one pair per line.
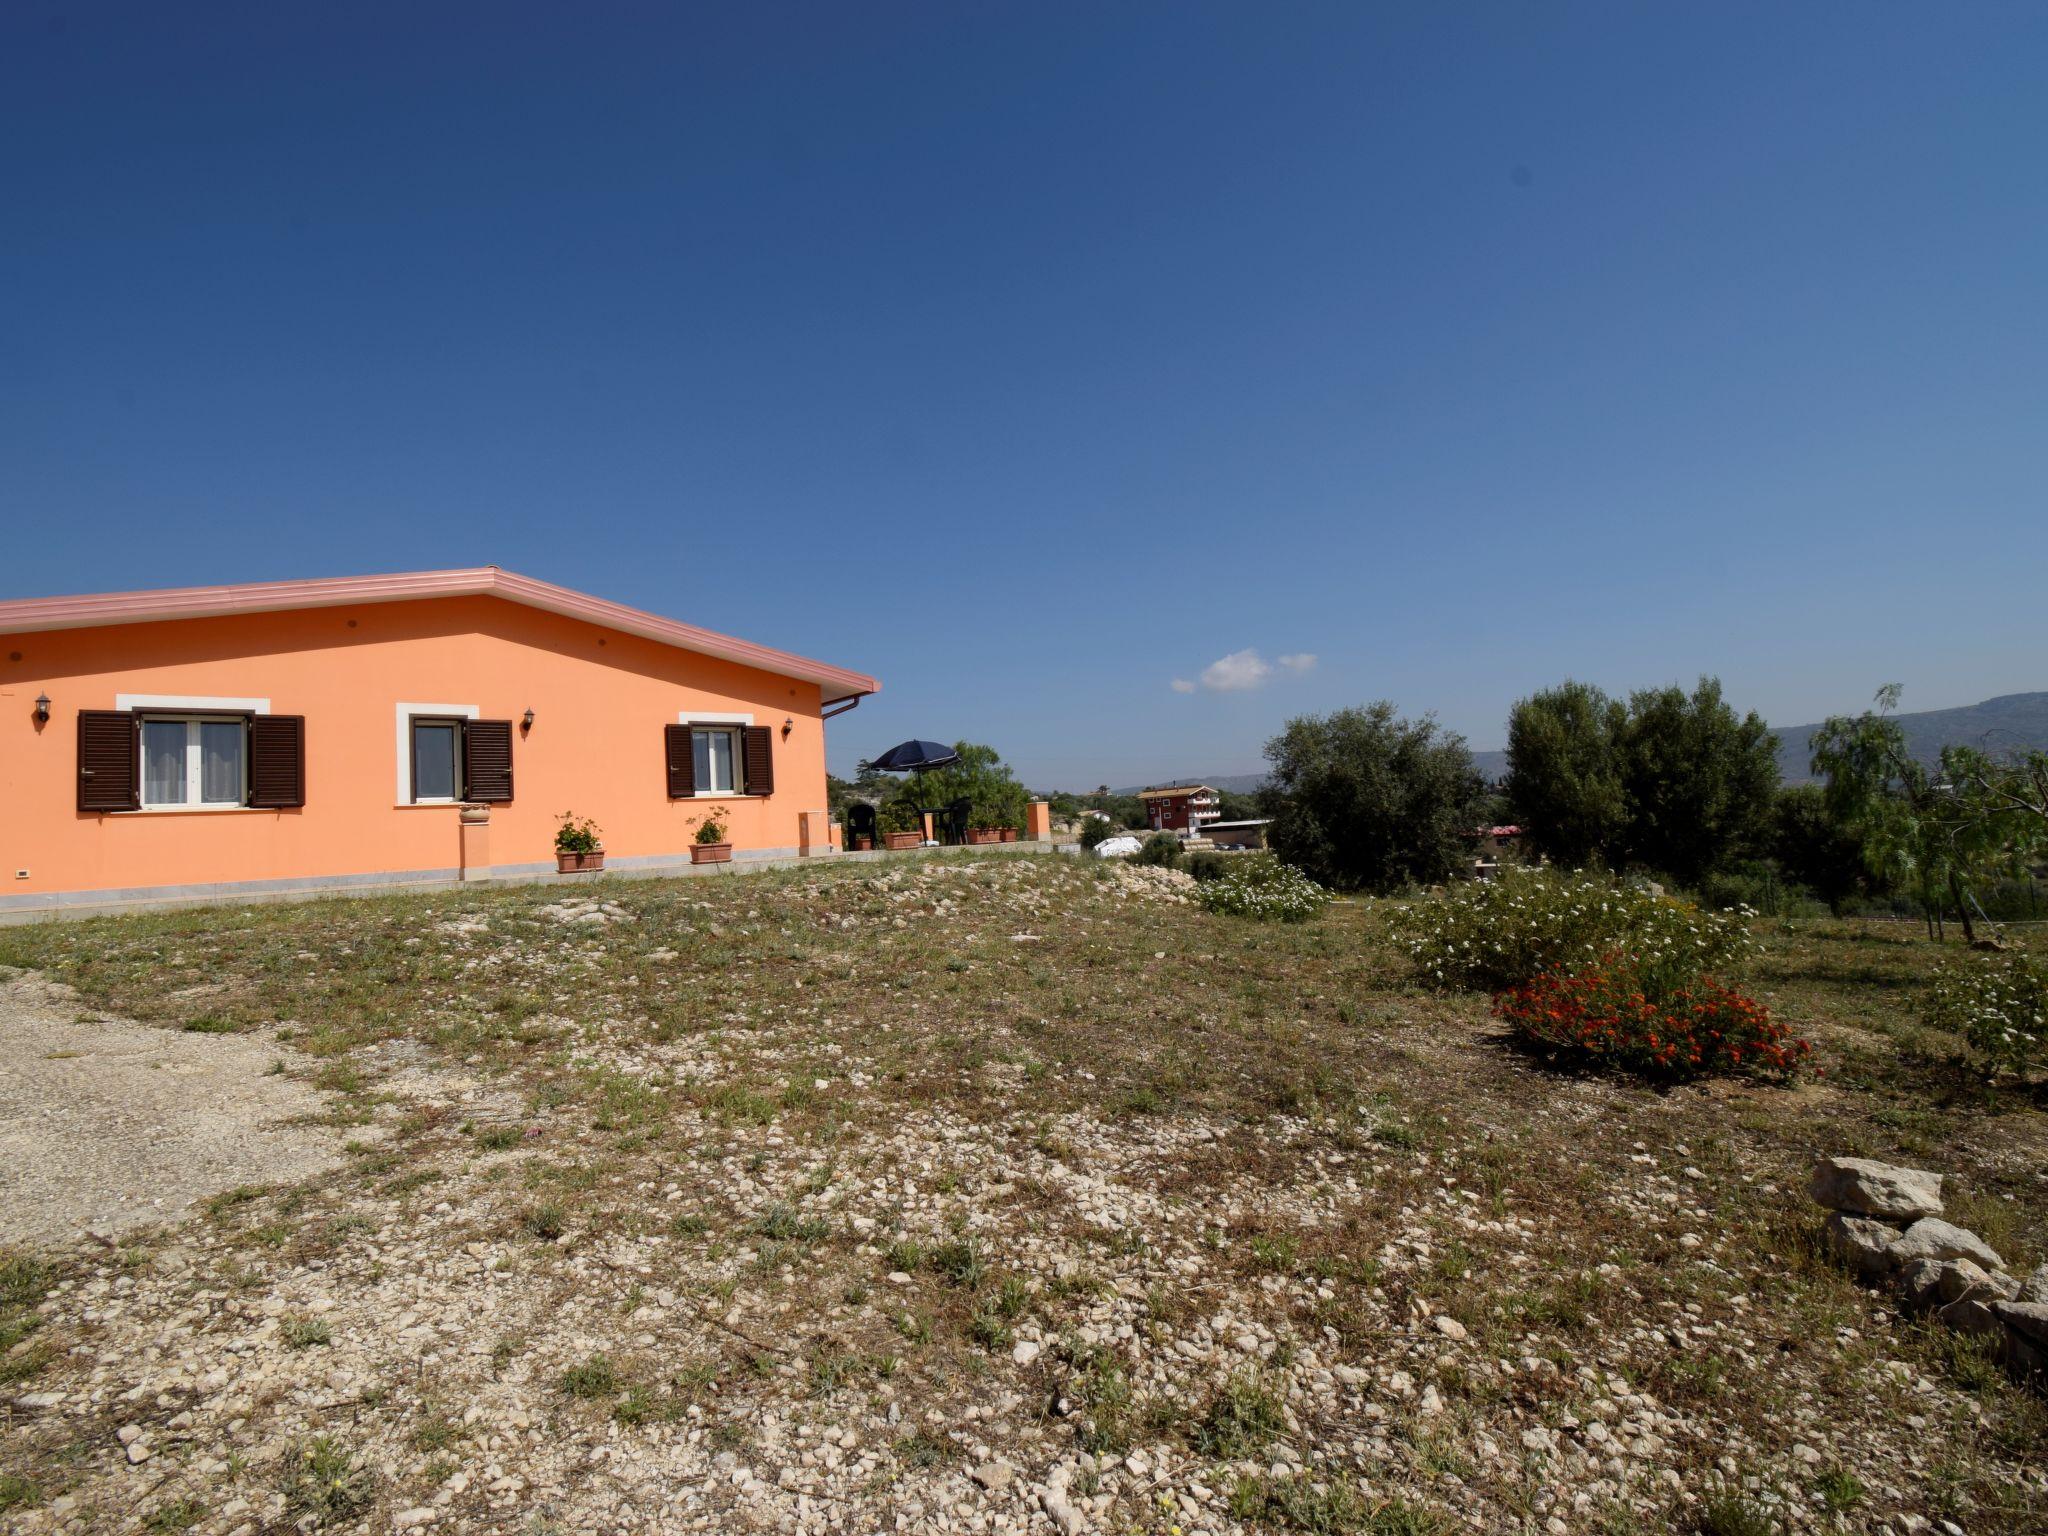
x,y
788,725
526,724
42,709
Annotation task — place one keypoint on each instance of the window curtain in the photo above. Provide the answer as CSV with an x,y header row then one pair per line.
x,y
163,762
220,761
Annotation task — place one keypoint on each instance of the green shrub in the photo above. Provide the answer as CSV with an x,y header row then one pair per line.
x,y
1499,933
1161,848
1762,890
1999,1004
1096,829
1208,866
1261,887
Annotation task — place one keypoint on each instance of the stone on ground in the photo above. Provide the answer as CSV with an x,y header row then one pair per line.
x,y
1864,1245
1862,1187
1932,1238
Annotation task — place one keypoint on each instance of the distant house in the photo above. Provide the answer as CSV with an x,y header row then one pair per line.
x,y
1184,808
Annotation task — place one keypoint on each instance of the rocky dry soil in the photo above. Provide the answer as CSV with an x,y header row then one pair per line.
x,y
994,1194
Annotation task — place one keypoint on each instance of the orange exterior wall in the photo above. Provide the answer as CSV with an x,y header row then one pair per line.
x,y
600,699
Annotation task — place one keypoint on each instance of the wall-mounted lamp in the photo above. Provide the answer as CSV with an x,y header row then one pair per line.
x,y
526,722
42,709
788,725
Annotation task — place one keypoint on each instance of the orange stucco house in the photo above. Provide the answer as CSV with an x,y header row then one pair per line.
x,y
257,740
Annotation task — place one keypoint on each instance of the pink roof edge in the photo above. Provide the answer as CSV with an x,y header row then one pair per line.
x,y
31,614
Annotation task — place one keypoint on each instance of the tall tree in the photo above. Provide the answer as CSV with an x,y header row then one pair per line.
x,y
1700,780
1815,849
1930,831
1363,800
1564,773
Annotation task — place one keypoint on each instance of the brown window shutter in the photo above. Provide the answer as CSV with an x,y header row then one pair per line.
x,y
109,760
758,749
682,763
487,760
277,761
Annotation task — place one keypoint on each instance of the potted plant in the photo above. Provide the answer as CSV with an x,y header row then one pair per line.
x,y
710,846
577,847
901,826
1009,834
981,830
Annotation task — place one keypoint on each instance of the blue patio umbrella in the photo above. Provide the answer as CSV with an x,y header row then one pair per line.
x,y
917,757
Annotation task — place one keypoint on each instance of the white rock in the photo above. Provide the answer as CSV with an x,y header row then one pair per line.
x,y
1862,1187
1932,1238
1450,1328
1027,1350
2028,1319
1862,1244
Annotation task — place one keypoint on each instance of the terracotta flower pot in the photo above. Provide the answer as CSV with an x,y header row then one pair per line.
x,y
980,835
901,839
568,863
1009,834
863,843
711,853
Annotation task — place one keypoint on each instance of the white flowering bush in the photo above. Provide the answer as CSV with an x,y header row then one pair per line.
x,y
1999,1004
1500,933
1260,886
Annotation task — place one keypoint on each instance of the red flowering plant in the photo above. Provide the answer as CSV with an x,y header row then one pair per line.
x,y
1612,1012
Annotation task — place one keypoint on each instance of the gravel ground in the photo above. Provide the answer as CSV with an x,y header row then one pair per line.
x,y
994,1196
108,1125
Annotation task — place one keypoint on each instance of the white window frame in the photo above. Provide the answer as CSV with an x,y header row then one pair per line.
x,y
195,760
735,758
401,794
731,723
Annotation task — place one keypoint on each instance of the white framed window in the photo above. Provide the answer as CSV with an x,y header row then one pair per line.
x,y
436,760
716,752
424,733
191,762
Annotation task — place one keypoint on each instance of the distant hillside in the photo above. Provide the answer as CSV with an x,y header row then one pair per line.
x,y
2010,722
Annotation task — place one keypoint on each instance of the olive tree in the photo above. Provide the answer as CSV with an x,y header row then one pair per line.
x,y
1362,800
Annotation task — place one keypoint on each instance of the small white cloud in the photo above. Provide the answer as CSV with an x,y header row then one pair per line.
x,y
1182,685
1300,661
1236,672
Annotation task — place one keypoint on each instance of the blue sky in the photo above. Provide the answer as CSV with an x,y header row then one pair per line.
x,y
1040,359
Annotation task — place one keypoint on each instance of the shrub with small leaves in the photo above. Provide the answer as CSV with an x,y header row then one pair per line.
x,y
1998,1004
1500,933
1263,888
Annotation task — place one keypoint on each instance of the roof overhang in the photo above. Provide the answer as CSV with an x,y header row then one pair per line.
x,y
30,615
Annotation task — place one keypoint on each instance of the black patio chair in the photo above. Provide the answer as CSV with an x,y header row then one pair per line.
x,y
952,821
861,821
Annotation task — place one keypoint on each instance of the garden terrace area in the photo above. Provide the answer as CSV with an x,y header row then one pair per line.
x,y
999,1194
